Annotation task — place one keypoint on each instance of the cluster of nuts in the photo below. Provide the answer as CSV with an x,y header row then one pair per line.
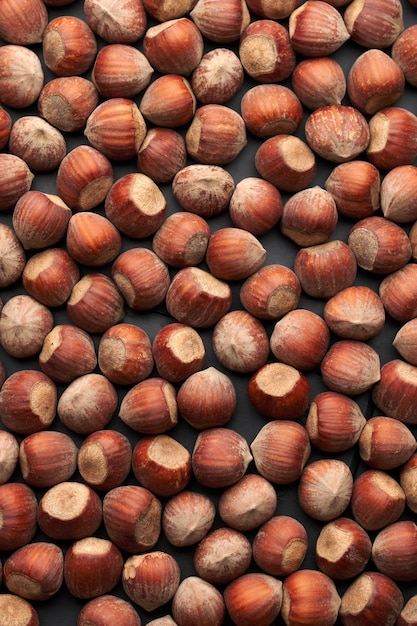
x,y
208,377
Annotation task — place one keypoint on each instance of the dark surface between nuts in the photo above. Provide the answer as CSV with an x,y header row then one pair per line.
x,y
63,608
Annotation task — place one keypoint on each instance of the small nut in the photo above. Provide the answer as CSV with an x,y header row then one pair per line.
x,y
316,29
374,23
174,46
350,367
168,102
356,312
271,292
67,102
120,71
68,46
223,24
287,162
355,186
218,76
270,110
319,82
116,24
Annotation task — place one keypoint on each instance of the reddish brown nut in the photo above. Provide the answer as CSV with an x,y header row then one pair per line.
x,y
248,504
49,276
24,324
299,598
397,194
216,135
104,459
187,517
23,23
393,551
125,354
279,391
316,29
142,278
18,506
21,76
218,76
92,567
223,24
255,205
87,404
203,189
5,127
178,352
207,399
116,128
40,220
240,342
84,177
168,102
371,599
69,511
95,303
13,256
386,443
337,132
319,82
270,110
405,341
182,239
92,239
271,446
35,571
197,600
280,545
300,339
271,292
67,353
14,607
325,488
9,455
403,52
350,367
379,245
356,312
222,555
197,298
334,422
393,139
37,142
253,594
150,580
325,269
67,102
116,24
162,154
47,458
163,10
268,9
234,254
132,518
374,81
150,406
407,616
395,392
355,186
220,457
68,46
120,71
287,162
399,294
387,22
377,499
28,400
135,205
16,180
343,548
312,227
161,464
108,607
266,52
408,482
174,46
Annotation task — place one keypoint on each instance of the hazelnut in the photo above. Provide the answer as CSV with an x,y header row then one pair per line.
x,y
271,292
198,601
47,458
23,23
248,504
37,142
21,76
14,608
162,154
168,102
95,303
393,394
316,29
350,367
163,10
253,596
287,162
151,579
374,23
393,551
234,254
403,52
343,548
397,194
265,51
356,312
203,189
12,255
182,239
5,127
319,82
125,354
376,446
116,24
49,276
398,294
67,353
24,324
325,488
178,352
121,71
92,240
18,507
223,24
270,110
392,138
67,102
279,391
255,205
104,459
187,517
377,499
218,76
222,555
314,227
174,46
40,219
355,186
405,341
371,599
16,180
300,591
9,455
68,46
280,545
271,446
108,607
150,406
35,571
